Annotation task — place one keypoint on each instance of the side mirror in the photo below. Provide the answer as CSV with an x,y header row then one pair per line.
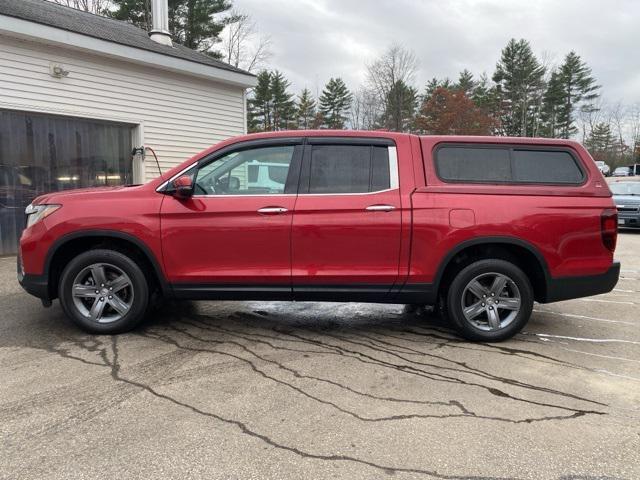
x,y
182,187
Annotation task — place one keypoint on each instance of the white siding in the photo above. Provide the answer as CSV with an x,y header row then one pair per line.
x,y
178,115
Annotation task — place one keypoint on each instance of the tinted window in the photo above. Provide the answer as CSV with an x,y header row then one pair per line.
x,y
506,165
278,174
252,173
473,164
545,167
380,169
348,169
246,172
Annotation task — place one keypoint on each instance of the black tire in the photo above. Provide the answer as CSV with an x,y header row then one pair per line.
x,y
138,289
470,329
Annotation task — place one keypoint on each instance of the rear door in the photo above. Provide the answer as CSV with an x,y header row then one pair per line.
x,y
345,239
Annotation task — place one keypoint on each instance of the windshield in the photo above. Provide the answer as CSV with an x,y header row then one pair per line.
x,y
625,188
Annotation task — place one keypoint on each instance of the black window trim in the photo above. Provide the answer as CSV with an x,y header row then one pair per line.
x,y
360,141
293,176
305,175
510,147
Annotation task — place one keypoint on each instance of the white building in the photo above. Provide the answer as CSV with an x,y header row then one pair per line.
x,y
79,91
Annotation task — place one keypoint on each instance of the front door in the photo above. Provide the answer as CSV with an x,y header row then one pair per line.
x,y
233,234
347,223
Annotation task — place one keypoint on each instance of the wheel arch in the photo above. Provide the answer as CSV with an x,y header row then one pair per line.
x,y
71,244
518,251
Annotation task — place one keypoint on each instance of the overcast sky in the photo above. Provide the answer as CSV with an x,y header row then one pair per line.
x,y
313,40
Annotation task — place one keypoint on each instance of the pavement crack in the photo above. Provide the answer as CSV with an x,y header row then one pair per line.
x,y
117,376
464,411
465,368
408,369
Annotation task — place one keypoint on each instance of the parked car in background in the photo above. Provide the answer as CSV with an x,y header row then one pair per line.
x,y
622,172
634,169
604,168
480,227
626,195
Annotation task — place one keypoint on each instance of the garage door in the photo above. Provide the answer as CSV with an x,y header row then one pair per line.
x,y
47,153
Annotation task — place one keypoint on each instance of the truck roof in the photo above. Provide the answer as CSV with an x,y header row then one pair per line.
x,y
390,134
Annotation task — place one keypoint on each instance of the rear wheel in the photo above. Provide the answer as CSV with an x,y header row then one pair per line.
x,y
490,300
104,291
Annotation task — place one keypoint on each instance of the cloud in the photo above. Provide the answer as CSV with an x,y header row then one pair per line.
x,y
313,40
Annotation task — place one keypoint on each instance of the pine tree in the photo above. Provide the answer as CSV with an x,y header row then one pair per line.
x,y
485,97
519,78
551,106
401,103
334,103
466,83
601,142
260,103
137,12
283,105
192,23
579,89
306,111
431,87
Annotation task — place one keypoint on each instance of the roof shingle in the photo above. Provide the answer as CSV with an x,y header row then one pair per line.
x,y
103,28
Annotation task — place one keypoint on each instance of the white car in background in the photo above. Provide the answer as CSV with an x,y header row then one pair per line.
x,y
604,168
622,172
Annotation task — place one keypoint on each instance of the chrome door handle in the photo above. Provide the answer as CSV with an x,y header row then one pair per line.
x,y
272,210
380,208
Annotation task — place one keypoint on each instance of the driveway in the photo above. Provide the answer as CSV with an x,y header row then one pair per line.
x,y
253,390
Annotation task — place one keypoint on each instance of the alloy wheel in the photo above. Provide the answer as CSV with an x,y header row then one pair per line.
x,y
102,293
491,301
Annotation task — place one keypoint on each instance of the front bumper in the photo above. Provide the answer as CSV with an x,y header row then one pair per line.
x,y
566,288
36,285
628,219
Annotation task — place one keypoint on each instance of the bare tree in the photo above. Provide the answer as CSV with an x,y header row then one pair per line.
x,y
243,46
92,6
588,118
634,129
396,64
619,121
365,109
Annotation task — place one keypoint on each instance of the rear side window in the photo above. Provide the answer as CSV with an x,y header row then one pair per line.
x,y
507,165
348,169
536,166
474,164
380,174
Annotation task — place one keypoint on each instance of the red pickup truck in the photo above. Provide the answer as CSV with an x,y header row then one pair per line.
x,y
480,226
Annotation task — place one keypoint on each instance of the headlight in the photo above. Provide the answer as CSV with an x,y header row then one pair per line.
x,y
35,213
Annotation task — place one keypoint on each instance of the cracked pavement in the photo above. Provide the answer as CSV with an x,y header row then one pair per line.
x,y
240,390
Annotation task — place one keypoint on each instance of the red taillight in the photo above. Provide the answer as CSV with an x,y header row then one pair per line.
x,y
609,228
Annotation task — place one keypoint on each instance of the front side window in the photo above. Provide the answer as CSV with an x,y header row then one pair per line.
x,y
257,171
479,164
348,169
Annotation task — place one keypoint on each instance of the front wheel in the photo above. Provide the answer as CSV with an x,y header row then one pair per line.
x,y
104,291
490,300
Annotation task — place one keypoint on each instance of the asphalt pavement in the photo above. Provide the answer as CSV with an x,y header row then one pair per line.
x,y
255,390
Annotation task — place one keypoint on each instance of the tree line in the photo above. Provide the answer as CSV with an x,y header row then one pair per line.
x,y
526,95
